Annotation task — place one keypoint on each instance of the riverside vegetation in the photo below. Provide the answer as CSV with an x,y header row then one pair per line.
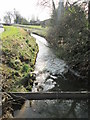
x,y
19,51
70,38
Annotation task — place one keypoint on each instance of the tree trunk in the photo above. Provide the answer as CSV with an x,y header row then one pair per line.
x,y
53,5
89,14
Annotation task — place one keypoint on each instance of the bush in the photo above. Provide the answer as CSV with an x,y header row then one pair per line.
x,y
70,27
69,36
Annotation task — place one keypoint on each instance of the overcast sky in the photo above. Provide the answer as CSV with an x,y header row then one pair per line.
x,y
27,8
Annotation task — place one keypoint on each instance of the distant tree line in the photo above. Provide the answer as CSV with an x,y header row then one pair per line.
x,y
16,17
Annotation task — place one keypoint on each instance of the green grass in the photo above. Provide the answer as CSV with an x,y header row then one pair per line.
x,y
42,31
37,29
35,26
18,57
29,26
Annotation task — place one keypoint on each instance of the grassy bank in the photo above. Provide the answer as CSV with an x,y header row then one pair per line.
x,y
36,29
19,53
39,30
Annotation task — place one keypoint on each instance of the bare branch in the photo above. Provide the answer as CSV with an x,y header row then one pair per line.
x,y
46,3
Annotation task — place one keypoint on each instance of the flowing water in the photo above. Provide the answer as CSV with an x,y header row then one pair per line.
x,y
49,77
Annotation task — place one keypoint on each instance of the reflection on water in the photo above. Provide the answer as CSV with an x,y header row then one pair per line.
x,y
53,109
49,77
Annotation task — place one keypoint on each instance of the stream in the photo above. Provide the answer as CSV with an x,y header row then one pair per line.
x,y
49,77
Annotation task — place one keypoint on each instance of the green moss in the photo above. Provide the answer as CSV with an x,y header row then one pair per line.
x,y
29,88
26,68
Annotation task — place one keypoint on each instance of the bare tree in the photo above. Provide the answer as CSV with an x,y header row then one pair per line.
x,y
5,19
9,14
89,13
47,3
16,16
8,17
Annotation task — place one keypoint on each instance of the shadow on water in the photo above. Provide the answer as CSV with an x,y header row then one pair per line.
x,y
49,77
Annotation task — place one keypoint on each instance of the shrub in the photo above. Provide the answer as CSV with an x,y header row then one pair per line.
x,y
69,36
69,28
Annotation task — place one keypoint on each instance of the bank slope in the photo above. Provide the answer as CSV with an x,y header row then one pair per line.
x,y
19,51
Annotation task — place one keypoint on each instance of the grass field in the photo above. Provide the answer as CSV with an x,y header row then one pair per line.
x,y
19,51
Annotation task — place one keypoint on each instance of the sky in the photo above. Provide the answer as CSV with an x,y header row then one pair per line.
x,y
27,8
